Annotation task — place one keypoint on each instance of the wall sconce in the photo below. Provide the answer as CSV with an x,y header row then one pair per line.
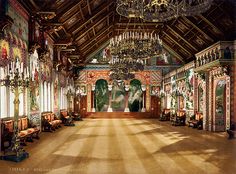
x,y
143,87
93,87
127,88
109,87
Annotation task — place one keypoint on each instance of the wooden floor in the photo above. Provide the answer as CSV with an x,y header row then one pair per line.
x,y
121,115
127,146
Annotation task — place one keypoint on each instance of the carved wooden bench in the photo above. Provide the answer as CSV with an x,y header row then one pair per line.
x,y
165,115
232,131
25,131
50,122
66,118
76,116
196,121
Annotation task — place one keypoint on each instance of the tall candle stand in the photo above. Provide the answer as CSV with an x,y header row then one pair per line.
x,y
17,79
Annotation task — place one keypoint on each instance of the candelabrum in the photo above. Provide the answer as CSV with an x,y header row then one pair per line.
x,y
17,79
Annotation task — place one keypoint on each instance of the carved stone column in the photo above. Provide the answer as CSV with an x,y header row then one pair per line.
x,y
109,107
126,98
93,98
144,98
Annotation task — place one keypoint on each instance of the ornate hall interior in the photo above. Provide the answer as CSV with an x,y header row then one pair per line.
x,y
117,86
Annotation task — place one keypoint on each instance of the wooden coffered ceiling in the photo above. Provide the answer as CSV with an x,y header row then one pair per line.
x,y
88,24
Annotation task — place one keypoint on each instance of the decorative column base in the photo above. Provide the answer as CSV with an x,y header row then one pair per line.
x,y
109,109
204,125
126,110
143,110
93,110
15,158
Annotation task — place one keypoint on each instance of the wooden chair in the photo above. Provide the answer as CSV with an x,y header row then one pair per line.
x,y
66,118
196,121
50,122
232,131
165,115
179,118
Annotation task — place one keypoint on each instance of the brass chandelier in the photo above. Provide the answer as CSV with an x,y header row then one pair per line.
x,y
129,52
135,45
124,69
161,10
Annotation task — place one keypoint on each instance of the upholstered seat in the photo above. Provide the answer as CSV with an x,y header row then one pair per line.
x,y
23,133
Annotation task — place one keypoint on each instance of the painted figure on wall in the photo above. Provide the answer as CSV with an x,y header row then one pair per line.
x,y
135,96
155,90
189,78
4,51
101,95
200,99
220,105
55,86
118,96
34,85
34,96
34,92
181,102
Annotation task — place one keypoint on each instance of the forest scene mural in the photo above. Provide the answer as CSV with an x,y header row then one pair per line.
x,y
219,105
101,95
135,96
118,96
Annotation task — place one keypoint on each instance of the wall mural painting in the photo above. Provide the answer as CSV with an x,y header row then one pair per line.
x,y
173,94
200,99
135,96
56,98
118,96
4,52
181,102
155,90
102,56
46,72
101,95
220,105
82,89
189,78
166,58
34,87
20,25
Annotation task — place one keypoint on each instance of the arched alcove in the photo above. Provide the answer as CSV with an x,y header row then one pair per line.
x,y
101,95
135,96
